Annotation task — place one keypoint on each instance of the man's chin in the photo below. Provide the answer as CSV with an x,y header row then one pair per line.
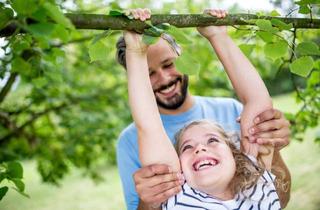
x,y
173,103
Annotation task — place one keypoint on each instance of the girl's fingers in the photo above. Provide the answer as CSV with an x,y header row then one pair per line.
x,y
147,13
216,12
141,14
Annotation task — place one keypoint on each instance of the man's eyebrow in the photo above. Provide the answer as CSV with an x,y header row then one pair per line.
x,y
167,59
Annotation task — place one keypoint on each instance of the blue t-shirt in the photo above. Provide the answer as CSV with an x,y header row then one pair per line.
x,y
224,111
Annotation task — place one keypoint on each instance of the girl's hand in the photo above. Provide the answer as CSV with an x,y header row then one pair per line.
x,y
212,31
134,40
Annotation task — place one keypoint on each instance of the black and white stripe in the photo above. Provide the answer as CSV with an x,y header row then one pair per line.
x,y
261,196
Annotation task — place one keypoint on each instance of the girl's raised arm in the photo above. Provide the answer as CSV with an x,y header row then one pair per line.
x,y
155,146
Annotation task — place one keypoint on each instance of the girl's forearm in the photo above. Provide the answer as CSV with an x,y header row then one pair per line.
x,y
247,83
154,144
241,72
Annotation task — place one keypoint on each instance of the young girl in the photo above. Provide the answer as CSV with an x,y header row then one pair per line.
x,y
217,174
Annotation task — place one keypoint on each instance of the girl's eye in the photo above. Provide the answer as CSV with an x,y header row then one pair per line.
x,y
186,147
212,140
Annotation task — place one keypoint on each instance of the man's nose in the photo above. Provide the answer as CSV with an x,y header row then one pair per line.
x,y
200,148
163,76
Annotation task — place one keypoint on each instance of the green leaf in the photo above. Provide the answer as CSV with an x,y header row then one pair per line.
x,y
6,14
153,31
274,13
115,6
20,43
149,40
265,25
179,35
56,15
40,15
3,191
115,13
40,82
265,36
101,36
19,184
98,51
305,2
15,170
281,25
302,66
163,26
24,7
61,33
247,48
304,9
41,29
186,64
308,48
260,14
317,64
276,50
21,66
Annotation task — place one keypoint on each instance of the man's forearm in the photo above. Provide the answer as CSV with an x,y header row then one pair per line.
x,y
283,178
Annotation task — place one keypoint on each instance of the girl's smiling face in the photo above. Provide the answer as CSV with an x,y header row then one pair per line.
x,y
206,159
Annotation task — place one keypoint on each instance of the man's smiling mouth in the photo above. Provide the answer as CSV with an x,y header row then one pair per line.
x,y
168,89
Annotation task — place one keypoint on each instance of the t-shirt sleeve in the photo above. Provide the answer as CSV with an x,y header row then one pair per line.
x,y
127,165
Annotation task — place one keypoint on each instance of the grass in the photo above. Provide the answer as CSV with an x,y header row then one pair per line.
x,y
76,192
79,193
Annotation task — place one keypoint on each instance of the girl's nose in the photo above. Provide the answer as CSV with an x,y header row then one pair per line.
x,y
200,148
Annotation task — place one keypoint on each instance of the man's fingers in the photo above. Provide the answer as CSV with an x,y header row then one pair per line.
x,y
276,142
165,186
151,170
273,134
268,115
266,126
163,179
165,195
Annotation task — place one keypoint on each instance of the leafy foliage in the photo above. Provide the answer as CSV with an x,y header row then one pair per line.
x,y
63,100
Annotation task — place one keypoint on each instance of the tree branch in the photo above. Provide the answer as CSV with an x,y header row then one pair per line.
x,y
34,117
5,90
103,22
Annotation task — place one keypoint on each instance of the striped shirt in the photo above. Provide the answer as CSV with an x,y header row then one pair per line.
x,y
262,196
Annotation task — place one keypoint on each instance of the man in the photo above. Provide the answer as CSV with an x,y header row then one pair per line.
x,y
156,183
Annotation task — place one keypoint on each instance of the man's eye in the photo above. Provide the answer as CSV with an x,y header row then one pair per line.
x,y
151,73
186,147
212,140
168,65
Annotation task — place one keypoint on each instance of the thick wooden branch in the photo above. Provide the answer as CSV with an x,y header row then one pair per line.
x,y
102,22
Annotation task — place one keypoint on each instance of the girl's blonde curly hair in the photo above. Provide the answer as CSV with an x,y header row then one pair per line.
x,y
247,172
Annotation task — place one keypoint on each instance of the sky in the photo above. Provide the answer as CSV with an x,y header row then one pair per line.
x,y
245,4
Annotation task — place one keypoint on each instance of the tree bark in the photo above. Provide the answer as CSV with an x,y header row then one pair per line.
x,y
103,22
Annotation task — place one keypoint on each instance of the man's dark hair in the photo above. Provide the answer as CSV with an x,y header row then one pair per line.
x,y
121,48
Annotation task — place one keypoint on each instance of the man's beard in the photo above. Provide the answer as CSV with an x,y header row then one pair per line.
x,y
177,100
